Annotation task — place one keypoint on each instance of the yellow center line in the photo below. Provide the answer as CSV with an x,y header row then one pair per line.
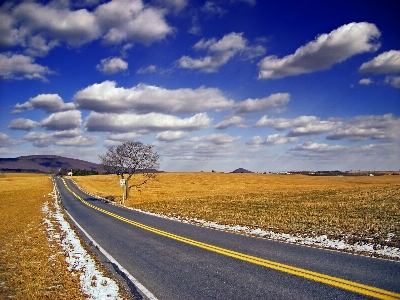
x,y
315,276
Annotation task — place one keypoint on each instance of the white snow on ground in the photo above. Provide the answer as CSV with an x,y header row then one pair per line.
x,y
93,283
319,241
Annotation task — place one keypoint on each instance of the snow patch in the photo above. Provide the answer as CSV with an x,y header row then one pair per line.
x,y
93,283
317,241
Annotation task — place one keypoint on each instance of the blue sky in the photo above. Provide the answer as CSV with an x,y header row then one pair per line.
x,y
214,85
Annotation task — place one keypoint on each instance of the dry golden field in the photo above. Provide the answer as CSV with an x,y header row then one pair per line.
x,y
353,209
31,267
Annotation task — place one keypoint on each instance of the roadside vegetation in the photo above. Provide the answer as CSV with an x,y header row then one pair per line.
x,y
32,260
358,209
31,266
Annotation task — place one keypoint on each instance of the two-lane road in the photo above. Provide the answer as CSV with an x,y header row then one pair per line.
x,y
181,261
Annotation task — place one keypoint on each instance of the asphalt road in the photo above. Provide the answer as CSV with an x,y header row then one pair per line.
x,y
174,269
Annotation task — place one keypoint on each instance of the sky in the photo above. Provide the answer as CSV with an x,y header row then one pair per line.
x,y
263,85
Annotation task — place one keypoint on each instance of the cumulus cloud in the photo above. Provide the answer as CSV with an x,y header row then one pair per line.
x,y
129,136
149,69
255,141
257,105
216,138
303,125
326,50
279,139
78,141
312,150
385,127
221,52
47,102
23,124
6,141
40,27
106,97
394,81
345,155
365,81
60,138
62,120
385,63
152,122
71,133
233,120
175,5
18,66
271,140
128,20
112,65
39,139
171,136
211,8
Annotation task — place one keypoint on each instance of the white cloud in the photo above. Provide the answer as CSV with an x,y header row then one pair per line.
x,y
271,140
63,138
311,150
106,97
71,133
149,69
18,66
255,141
6,141
345,156
129,136
175,5
79,141
128,20
220,52
394,81
385,63
23,124
303,125
38,28
365,81
39,139
385,127
257,105
279,139
62,120
152,122
47,102
323,52
112,65
233,120
216,138
171,136
212,8
74,27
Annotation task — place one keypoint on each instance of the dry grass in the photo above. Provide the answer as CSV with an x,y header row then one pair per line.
x,y
355,209
31,267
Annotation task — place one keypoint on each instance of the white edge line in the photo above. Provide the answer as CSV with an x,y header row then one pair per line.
x,y
140,286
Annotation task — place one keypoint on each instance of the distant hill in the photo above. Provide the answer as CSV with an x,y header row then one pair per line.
x,y
43,164
241,170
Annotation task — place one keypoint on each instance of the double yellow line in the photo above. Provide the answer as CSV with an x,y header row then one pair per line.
x,y
318,277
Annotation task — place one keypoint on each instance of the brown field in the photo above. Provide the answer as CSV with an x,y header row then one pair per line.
x,y
354,209
31,267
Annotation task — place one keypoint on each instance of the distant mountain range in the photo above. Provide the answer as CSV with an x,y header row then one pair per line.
x,y
43,164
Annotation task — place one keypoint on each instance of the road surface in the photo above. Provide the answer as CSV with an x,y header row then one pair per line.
x,y
174,260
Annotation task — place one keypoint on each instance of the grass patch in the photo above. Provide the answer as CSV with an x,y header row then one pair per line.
x,y
31,267
353,209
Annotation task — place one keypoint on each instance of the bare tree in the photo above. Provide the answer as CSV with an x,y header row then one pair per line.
x,y
128,159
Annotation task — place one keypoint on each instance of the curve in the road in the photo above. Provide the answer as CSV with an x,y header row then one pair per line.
x,y
315,276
